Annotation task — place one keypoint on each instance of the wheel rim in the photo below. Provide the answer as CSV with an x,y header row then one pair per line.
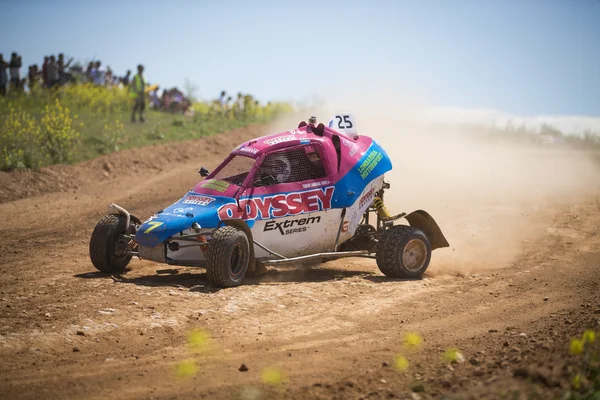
x,y
236,261
414,255
121,249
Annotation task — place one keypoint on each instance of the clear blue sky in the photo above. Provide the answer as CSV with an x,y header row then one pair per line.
x,y
518,56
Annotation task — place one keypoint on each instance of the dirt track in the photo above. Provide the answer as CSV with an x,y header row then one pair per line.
x,y
334,330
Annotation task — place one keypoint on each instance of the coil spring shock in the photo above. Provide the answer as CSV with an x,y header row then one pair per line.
x,y
382,211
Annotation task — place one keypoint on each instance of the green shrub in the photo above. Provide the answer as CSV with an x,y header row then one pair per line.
x,y
112,136
20,141
58,135
585,383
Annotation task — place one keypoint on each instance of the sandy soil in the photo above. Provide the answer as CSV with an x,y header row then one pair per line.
x,y
333,330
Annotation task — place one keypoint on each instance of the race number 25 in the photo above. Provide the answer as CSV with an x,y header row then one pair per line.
x,y
344,122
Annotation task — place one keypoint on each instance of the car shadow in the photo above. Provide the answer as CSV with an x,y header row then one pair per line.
x,y
197,281
386,279
171,277
297,275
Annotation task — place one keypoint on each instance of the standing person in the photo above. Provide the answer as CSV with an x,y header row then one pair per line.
x,y
97,74
53,72
88,72
45,71
108,77
154,100
126,78
238,106
3,75
165,100
137,93
15,67
33,72
63,75
61,61
222,100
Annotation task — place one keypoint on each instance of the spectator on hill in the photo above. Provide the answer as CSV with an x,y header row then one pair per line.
x,y
61,61
126,78
3,75
97,74
32,76
222,100
164,99
14,68
108,77
45,71
53,72
88,72
64,76
93,73
238,105
155,101
137,93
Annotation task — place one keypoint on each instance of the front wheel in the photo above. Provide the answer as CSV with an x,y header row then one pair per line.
x,y
109,247
227,257
403,252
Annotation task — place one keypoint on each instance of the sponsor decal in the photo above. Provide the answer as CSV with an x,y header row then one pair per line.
x,y
184,210
370,163
215,184
354,217
304,141
251,150
177,215
197,200
314,184
353,147
152,217
153,226
345,226
295,132
366,198
280,139
279,205
288,226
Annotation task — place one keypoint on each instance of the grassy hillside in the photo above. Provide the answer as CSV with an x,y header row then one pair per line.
x,y
79,122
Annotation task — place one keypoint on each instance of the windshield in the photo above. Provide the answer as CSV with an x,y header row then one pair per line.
x,y
235,170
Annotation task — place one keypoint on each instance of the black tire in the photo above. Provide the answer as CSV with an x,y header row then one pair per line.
x,y
227,257
106,244
403,252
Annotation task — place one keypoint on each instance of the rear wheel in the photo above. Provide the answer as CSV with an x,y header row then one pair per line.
x,y
109,248
403,252
227,257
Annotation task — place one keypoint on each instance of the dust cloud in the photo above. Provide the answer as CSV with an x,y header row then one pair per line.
x,y
489,198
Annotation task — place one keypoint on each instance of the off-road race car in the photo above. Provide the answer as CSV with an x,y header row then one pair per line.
x,y
311,193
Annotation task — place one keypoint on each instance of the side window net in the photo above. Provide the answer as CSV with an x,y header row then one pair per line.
x,y
290,165
236,170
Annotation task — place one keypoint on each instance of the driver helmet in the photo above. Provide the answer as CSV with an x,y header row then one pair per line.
x,y
277,166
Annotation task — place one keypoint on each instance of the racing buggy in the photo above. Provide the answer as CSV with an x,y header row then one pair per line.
x,y
311,193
